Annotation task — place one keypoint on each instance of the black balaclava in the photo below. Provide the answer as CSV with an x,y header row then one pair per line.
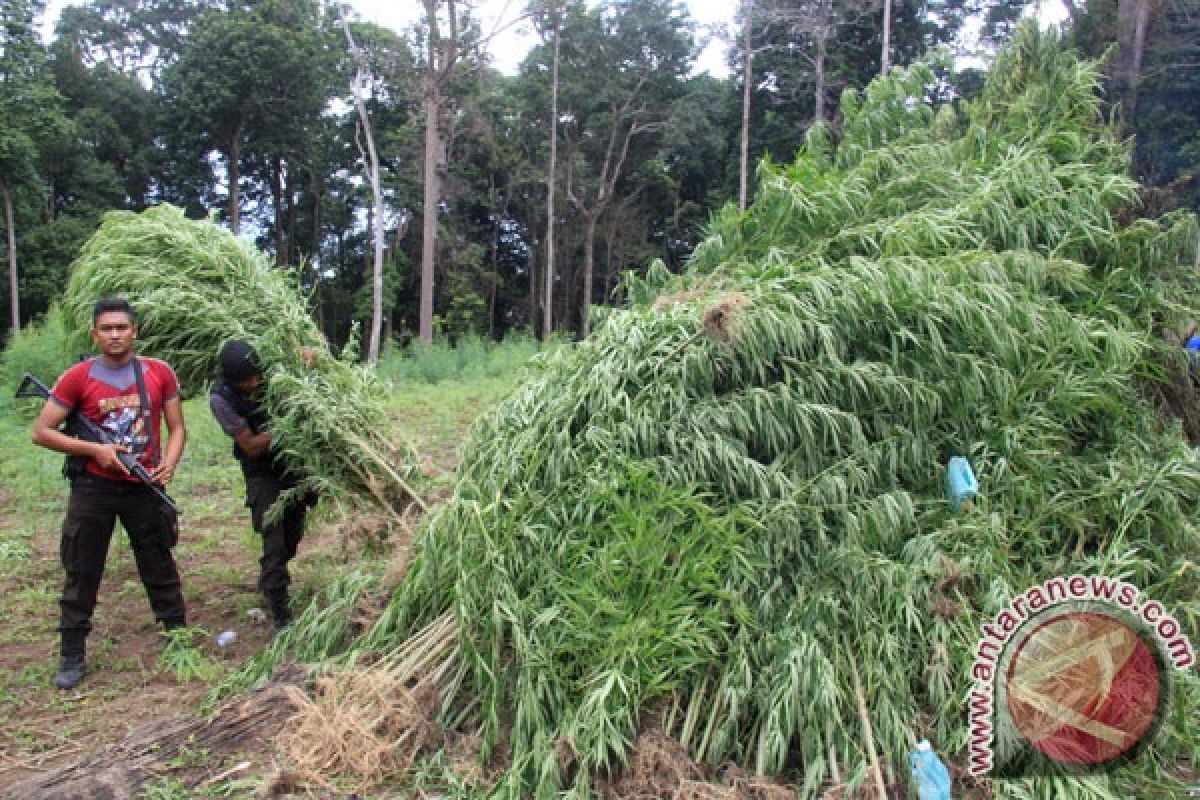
x,y
238,361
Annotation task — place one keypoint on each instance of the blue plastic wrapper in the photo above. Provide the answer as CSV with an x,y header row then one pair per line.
x,y
961,486
930,775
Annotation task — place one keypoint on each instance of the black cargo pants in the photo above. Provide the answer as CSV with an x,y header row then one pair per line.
x,y
94,507
280,538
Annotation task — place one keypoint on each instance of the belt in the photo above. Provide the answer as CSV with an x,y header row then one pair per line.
x,y
90,481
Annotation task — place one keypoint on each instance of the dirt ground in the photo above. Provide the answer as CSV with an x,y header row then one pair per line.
x,y
126,690
125,687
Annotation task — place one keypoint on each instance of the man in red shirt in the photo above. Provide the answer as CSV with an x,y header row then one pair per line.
x,y
108,390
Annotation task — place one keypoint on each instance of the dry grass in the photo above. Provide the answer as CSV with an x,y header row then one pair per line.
x,y
358,728
661,769
721,319
754,787
675,298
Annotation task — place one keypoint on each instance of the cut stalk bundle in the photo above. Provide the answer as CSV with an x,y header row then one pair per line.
x,y
361,726
729,503
196,286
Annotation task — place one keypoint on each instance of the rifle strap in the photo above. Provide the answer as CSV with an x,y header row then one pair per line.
x,y
144,402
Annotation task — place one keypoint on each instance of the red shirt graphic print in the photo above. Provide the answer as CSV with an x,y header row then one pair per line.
x,y
108,396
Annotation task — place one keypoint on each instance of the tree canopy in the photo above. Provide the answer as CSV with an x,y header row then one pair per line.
x,y
244,109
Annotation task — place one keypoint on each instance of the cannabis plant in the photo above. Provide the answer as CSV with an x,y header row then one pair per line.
x,y
194,287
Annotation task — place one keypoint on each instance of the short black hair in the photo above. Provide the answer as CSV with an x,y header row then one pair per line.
x,y
111,303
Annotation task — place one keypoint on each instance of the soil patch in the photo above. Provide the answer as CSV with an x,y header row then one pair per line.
x,y
186,745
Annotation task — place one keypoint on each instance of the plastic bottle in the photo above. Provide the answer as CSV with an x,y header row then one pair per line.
x,y
226,638
930,775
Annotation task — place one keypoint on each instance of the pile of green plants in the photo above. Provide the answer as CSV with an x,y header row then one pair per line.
x,y
194,287
724,511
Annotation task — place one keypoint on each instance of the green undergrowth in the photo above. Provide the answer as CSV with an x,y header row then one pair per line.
x,y
469,358
41,349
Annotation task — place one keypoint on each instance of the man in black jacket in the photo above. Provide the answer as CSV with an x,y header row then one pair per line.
x,y
236,403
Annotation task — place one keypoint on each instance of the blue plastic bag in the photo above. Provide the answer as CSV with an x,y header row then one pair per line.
x,y
961,486
1193,351
930,775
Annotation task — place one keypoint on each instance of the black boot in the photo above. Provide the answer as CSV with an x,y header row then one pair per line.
x,y
71,660
280,609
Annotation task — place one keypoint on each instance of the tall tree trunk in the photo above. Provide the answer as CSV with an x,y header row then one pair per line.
x,y
377,269
589,263
747,80
547,321
235,179
1133,22
819,71
277,201
429,216
441,58
376,195
610,253
314,261
291,248
534,286
610,173
314,257
14,294
886,55
564,302
495,258
492,305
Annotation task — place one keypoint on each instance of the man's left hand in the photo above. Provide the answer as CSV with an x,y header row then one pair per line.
x,y
162,474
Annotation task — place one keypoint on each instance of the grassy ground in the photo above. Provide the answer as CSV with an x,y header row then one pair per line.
x,y
217,554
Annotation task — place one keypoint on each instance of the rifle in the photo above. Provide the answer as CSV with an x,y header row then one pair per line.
x,y
83,428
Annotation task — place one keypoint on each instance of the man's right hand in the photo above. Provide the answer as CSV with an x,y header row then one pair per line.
x,y
106,455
